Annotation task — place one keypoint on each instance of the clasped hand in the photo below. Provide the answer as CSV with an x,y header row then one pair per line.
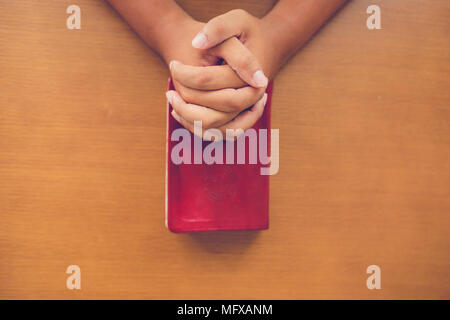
x,y
221,74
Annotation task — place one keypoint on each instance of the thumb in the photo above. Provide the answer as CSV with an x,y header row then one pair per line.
x,y
221,28
242,61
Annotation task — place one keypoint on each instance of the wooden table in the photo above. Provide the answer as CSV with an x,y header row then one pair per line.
x,y
364,119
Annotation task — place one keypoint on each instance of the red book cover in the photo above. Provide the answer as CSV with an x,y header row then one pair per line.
x,y
213,197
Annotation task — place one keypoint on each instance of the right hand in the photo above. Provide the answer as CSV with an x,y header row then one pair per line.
x,y
221,99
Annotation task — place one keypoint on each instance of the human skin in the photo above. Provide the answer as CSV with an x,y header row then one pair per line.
x,y
154,21
222,96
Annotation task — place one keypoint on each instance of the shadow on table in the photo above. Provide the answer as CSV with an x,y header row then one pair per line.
x,y
223,241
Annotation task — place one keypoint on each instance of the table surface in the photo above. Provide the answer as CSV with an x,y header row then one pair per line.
x,y
364,120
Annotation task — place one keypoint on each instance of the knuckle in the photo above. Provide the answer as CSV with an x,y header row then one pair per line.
x,y
184,93
239,12
244,61
236,103
219,28
234,106
213,122
203,118
215,27
202,79
207,124
251,99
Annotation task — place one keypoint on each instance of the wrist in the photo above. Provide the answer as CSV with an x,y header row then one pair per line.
x,y
275,45
168,32
284,36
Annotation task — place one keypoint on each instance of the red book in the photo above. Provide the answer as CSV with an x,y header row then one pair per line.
x,y
213,197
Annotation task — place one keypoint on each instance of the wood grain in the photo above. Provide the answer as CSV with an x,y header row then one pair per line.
x,y
364,119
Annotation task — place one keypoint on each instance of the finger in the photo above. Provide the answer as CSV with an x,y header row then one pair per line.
x,y
188,125
205,78
192,112
198,131
220,28
244,120
235,127
242,61
226,100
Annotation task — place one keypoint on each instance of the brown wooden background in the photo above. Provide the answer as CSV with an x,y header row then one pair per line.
x,y
364,119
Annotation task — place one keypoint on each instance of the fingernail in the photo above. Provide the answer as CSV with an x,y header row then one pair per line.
x,y
264,99
169,95
260,79
172,64
199,41
176,116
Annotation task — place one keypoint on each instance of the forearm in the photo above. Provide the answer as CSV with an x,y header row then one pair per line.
x,y
291,23
152,20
